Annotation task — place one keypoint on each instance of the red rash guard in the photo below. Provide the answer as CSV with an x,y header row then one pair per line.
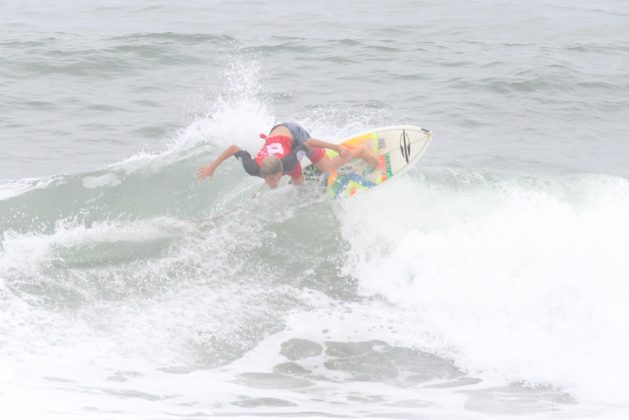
x,y
279,146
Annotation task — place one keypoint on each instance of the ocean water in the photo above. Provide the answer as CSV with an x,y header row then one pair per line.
x,y
490,281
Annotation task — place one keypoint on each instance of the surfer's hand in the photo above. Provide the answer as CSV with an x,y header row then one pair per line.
x,y
345,153
205,171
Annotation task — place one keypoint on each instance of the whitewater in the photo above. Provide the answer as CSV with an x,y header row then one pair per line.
x,y
490,281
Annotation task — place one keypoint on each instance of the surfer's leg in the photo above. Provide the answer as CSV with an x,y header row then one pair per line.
x,y
329,165
298,181
321,161
365,154
326,165
297,175
360,152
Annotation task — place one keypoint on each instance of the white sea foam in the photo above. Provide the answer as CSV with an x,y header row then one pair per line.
x,y
524,280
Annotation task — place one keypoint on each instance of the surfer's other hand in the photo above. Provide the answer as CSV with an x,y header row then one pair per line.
x,y
345,153
205,172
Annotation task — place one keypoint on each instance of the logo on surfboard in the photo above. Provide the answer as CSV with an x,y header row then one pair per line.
x,y
405,146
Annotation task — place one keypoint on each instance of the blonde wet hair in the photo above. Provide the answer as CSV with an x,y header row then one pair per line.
x,y
271,165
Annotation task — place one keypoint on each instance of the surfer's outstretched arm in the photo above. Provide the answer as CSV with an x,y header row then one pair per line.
x,y
208,170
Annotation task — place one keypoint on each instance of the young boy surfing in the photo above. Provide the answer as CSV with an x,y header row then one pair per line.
x,y
283,148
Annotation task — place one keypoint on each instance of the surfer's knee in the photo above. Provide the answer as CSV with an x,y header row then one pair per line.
x,y
324,165
365,153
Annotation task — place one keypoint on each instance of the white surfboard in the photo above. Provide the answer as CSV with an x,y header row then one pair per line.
x,y
397,148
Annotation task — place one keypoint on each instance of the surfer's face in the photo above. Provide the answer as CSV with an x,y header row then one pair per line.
x,y
273,180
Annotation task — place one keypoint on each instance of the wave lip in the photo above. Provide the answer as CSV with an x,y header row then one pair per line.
x,y
10,189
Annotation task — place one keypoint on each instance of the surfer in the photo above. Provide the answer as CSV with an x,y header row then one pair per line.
x,y
283,148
